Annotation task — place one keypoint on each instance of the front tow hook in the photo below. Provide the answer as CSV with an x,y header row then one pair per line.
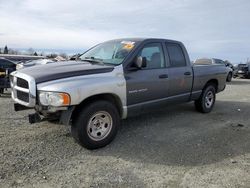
x,y
34,118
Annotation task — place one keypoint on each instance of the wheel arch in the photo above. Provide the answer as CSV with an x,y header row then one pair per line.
x,y
113,98
212,82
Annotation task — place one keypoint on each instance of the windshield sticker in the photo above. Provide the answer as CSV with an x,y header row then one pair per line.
x,y
128,44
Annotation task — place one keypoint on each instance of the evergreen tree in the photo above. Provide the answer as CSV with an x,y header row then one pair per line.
x,y
6,50
30,51
35,54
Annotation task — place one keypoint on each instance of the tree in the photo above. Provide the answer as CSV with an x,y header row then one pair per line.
x,y
35,54
64,55
6,51
30,51
0,50
42,54
13,51
53,55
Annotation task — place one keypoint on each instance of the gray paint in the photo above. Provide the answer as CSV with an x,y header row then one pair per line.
x,y
59,70
137,90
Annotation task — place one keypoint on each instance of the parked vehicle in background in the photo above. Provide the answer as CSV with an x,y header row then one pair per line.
x,y
208,61
243,70
230,67
115,80
6,67
235,68
34,63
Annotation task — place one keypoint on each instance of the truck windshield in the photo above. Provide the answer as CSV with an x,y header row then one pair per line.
x,y
112,52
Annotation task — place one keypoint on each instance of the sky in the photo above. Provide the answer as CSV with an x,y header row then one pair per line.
x,y
214,28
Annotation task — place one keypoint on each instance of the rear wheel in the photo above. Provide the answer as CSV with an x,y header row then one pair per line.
x,y
1,90
96,125
206,101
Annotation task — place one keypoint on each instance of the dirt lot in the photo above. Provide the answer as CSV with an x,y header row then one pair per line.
x,y
177,147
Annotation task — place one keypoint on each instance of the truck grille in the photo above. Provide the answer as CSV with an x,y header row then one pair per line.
x,y
242,67
23,89
22,96
22,83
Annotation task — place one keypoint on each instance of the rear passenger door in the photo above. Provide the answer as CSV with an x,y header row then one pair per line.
x,y
180,73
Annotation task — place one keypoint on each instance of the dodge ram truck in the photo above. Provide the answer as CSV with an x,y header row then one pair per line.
x,y
115,80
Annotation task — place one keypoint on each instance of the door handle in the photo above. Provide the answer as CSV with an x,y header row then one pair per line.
x,y
187,73
163,76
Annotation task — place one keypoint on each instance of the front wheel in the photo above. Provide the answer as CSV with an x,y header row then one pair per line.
x,y
229,77
96,125
206,101
248,75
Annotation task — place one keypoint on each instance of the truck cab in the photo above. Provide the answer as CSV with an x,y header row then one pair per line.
x,y
167,75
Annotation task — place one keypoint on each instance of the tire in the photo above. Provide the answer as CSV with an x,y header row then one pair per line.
x,y
1,90
248,75
207,99
96,125
229,77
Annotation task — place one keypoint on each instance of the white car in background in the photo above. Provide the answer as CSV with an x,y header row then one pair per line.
x,y
210,61
34,63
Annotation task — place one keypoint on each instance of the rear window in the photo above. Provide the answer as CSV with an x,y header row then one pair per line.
x,y
176,55
218,61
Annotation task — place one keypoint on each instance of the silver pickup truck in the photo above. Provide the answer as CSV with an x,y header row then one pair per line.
x,y
112,81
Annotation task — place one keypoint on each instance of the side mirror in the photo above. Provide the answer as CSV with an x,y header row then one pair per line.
x,y
140,62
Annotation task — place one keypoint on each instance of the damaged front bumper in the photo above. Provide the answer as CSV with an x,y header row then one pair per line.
x,y
60,114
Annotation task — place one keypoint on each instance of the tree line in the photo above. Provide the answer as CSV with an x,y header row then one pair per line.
x,y
30,51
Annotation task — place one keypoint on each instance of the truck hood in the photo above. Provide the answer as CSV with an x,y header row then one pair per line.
x,y
66,69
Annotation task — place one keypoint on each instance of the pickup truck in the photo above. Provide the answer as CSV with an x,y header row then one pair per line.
x,y
115,80
6,67
243,70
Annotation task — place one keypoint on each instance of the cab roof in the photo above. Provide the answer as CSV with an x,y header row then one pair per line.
x,y
144,39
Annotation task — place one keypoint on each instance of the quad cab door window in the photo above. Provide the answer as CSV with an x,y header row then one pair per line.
x,y
154,55
180,73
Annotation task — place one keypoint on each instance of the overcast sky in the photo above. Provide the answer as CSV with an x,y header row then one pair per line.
x,y
215,28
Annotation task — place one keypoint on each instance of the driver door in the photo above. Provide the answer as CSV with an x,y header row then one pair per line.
x,y
150,84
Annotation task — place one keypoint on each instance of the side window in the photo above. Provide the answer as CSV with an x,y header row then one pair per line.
x,y
218,61
176,55
154,55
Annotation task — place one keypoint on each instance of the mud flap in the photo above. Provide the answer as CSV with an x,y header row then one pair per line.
x,y
66,116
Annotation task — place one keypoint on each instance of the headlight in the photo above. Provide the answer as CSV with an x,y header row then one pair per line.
x,y
54,99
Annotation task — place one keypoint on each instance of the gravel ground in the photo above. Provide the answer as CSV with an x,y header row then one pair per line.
x,y
177,147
